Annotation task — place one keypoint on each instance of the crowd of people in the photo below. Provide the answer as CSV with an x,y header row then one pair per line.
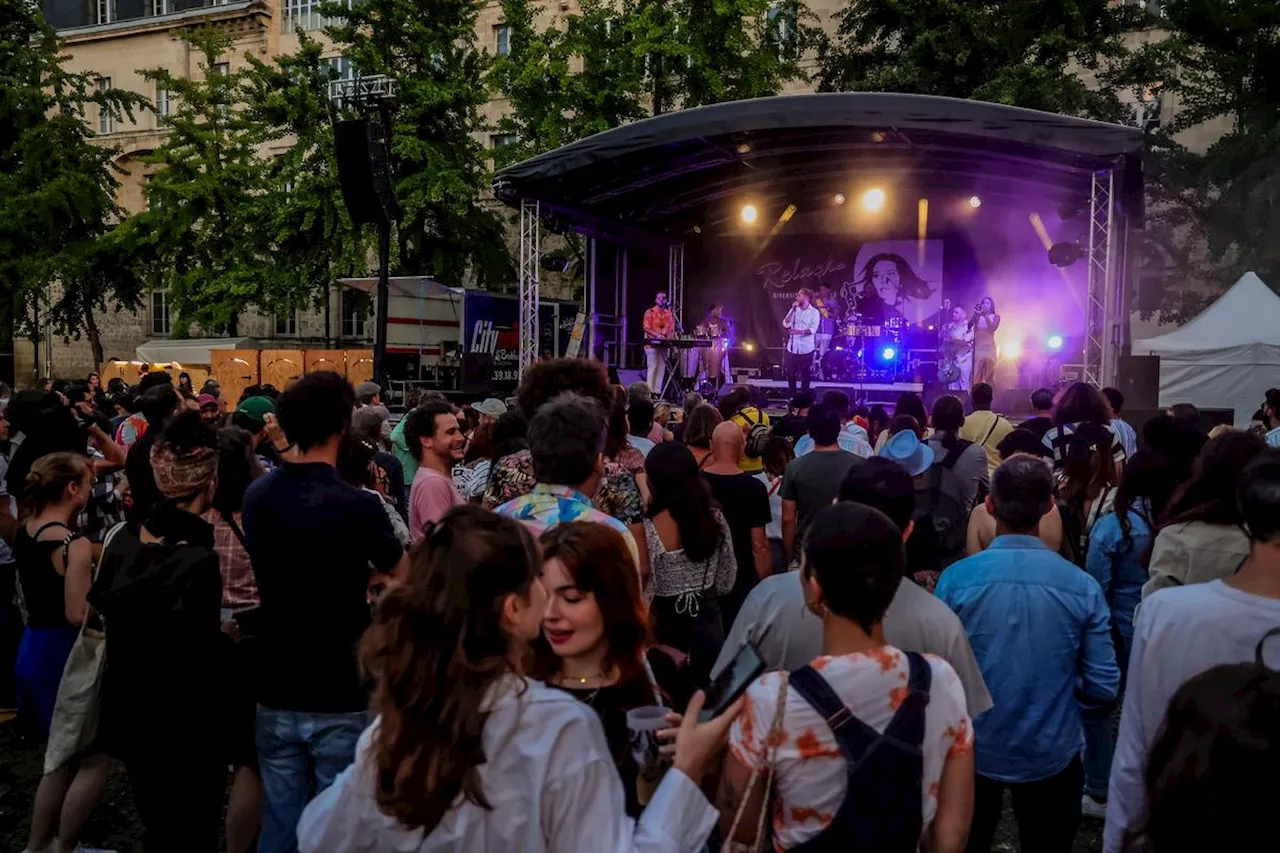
x,y
299,626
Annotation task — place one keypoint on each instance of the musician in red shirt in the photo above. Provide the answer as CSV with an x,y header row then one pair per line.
x,y
659,323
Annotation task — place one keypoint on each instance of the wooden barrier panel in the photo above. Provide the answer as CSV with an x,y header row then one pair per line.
x,y
281,366
359,365
235,370
315,360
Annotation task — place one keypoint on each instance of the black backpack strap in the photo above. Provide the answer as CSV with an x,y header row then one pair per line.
x,y
907,726
953,455
995,423
42,528
854,736
235,529
747,417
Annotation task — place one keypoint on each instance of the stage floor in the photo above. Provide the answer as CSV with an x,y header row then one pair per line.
x,y
870,393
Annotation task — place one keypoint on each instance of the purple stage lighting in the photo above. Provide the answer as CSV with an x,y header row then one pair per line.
x,y
1054,342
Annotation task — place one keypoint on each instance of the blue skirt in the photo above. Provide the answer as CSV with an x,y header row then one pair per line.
x,y
42,655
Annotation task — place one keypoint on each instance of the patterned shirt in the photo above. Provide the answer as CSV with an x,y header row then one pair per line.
x,y
547,506
659,321
239,586
105,508
131,429
809,770
618,495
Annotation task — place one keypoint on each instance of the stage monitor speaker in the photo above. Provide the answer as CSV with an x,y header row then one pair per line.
x,y
1138,379
477,373
363,170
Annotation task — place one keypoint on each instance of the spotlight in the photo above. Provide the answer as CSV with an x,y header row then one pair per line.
x,y
975,202
1054,342
873,200
1011,350
888,353
839,199
1065,254
749,347
749,213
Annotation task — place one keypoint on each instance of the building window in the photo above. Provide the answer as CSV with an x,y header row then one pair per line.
x,y
162,102
304,15
104,11
161,7
159,313
106,121
287,325
354,310
1150,111
340,85
781,19
502,37
502,140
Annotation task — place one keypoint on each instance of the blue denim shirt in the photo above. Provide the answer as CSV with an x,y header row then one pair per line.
x,y
1118,569
1041,632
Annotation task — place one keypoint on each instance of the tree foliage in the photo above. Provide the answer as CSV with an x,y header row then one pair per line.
x,y
57,184
428,48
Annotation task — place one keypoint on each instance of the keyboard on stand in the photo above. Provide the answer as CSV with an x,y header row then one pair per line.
x,y
684,342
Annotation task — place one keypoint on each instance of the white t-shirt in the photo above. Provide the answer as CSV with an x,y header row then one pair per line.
x,y
773,530
803,318
809,771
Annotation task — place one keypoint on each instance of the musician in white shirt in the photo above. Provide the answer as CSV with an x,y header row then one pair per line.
x,y
801,324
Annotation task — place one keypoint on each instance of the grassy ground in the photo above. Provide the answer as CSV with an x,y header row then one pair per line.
x,y
114,824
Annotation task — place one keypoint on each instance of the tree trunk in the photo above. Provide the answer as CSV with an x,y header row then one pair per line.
x,y
95,339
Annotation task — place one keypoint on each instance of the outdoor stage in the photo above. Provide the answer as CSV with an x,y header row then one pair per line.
x,y
871,393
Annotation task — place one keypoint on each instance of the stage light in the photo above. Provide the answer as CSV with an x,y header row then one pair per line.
x,y
749,347
975,202
839,199
749,213
888,353
1012,350
1054,342
1065,254
873,200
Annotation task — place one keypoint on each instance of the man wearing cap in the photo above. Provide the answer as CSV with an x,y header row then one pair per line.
x,y
257,415
489,409
210,410
368,394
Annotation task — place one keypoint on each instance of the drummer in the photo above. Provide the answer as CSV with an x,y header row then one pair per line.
x,y
828,315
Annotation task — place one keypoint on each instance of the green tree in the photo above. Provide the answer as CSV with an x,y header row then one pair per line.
x,y
303,221
1060,56
1214,214
428,49
200,236
57,185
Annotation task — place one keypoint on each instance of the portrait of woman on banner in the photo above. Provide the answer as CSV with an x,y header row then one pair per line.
x,y
885,288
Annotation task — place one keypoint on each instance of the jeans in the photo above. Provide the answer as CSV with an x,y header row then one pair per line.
x,y
798,365
1099,731
1047,811
299,755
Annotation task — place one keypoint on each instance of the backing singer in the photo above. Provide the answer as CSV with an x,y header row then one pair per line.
x,y
984,323
658,323
801,324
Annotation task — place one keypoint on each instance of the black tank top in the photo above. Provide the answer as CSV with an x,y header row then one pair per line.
x,y
43,589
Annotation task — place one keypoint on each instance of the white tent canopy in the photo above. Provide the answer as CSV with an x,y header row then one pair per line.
x,y
1227,357
189,350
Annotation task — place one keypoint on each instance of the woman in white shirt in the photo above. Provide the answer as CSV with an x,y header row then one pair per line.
x,y
468,754
777,456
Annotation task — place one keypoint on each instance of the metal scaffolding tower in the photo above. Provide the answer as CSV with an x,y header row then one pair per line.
x,y
530,281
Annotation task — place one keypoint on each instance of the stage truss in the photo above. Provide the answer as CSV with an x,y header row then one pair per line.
x,y
675,283
1102,326
530,280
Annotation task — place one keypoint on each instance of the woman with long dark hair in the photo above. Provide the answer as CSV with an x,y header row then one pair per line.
x,y
778,454
596,643
1203,536
687,553
1080,404
1117,545
698,429
886,283
468,753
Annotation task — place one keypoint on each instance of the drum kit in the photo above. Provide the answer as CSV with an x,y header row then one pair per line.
x,y
862,351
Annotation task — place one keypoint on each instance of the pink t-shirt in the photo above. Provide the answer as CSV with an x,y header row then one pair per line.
x,y
430,497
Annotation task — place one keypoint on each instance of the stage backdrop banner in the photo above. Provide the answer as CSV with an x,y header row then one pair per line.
x,y
880,279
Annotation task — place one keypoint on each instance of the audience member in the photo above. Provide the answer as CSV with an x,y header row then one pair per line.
x,y
692,401
982,527
1180,633
736,406
450,692
698,431
311,538
1042,405
1185,412
956,482
135,426
1116,548
1041,632
788,635
745,504
1271,417
368,394
813,481
596,645
659,432
1203,537
159,591
1079,405
777,456
1179,442
904,768
185,386
159,405
877,422
792,425
984,427
566,446
356,466
433,431
938,499
617,493
909,403
852,437
639,425
509,435
1115,405
686,558
371,424
1086,486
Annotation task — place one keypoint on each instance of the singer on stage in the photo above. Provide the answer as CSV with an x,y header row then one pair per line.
x,y
984,323
661,324
801,324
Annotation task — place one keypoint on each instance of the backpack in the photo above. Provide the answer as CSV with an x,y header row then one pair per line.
x,y
939,508
757,433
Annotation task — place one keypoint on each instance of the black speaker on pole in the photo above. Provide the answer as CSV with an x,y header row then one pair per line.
x,y
1138,378
363,169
